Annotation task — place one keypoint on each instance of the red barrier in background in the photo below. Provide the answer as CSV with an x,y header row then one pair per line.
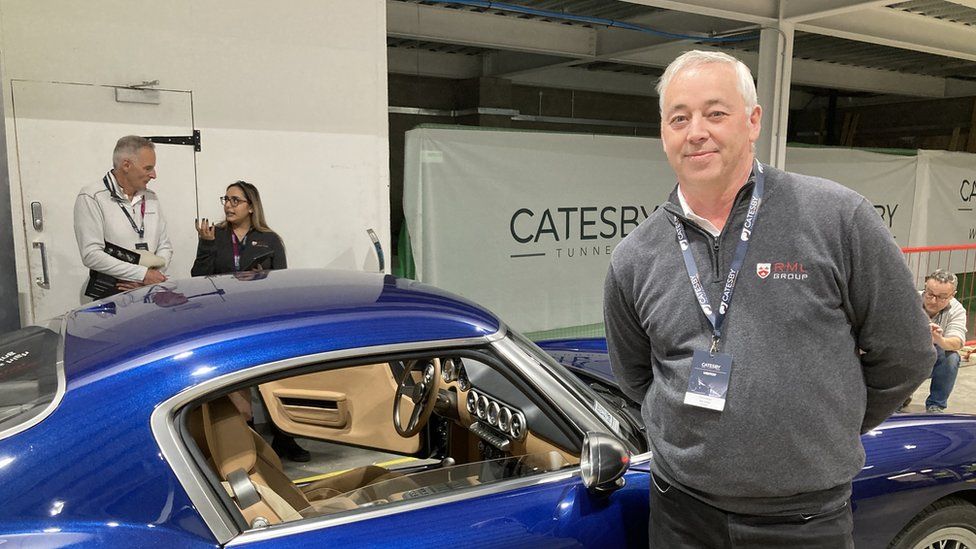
x,y
960,260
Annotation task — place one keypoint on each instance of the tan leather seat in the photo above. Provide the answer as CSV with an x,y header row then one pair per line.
x,y
234,449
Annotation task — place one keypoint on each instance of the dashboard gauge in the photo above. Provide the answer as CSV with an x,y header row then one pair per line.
x,y
462,377
518,425
493,414
472,403
505,420
482,407
448,370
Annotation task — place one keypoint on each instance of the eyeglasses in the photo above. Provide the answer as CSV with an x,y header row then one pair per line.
x,y
235,201
936,297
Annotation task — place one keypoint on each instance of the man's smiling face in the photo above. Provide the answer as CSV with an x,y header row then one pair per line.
x,y
705,128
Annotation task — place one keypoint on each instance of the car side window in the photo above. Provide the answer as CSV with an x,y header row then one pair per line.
x,y
28,375
381,432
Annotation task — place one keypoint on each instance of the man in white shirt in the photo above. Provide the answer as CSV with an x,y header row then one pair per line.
x,y
121,210
947,319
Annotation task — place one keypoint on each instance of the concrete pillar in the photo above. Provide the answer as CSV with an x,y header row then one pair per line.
x,y
9,297
493,96
773,86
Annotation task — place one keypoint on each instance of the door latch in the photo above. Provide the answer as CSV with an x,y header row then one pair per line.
x,y
37,217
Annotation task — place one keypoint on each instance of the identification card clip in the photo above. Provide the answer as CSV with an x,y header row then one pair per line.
x,y
709,380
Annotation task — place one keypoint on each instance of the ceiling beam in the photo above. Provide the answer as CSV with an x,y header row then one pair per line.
x,y
574,44
613,82
803,10
826,75
615,41
750,11
429,63
502,64
612,40
419,22
900,29
596,81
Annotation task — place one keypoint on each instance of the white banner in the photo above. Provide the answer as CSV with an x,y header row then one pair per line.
x,y
524,222
887,180
946,199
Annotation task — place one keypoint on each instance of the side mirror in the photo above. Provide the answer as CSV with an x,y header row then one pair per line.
x,y
603,463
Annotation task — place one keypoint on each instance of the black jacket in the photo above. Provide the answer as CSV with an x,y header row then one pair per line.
x,y
217,256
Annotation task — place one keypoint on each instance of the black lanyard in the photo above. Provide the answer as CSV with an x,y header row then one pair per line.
x,y
141,229
752,215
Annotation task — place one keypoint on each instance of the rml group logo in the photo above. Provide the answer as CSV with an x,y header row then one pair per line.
x,y
572,232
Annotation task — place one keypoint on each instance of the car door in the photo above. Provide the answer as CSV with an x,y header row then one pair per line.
x,y
348,405
553,510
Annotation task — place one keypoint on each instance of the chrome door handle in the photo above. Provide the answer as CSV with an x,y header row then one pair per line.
x,y
44,281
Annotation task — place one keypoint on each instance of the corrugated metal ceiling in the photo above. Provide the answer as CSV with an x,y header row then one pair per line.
x,y
606,9
809,46
939,9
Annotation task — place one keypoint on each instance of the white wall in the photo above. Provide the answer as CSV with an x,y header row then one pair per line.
x,y
288,95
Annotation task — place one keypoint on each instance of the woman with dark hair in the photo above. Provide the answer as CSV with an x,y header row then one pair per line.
x,y
241,243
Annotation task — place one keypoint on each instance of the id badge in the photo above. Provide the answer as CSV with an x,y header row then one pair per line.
x,y
709,380
142,246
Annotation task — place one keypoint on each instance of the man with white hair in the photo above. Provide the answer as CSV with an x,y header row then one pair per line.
x,y
754,406
121,210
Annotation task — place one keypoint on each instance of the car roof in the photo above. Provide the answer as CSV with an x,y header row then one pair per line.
x,y
348,309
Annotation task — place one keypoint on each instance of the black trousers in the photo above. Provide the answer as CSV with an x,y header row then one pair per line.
x,y
681,521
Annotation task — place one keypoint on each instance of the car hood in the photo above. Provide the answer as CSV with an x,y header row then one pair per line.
x,y
895,448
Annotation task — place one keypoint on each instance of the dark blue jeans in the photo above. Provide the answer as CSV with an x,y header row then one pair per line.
x,y
943,377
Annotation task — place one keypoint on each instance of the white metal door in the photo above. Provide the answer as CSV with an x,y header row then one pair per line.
x,y
65,135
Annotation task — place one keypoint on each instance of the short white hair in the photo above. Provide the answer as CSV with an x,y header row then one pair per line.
x,y
128,147
695,58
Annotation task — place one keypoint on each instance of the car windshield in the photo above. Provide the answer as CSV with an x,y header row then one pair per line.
x,y
28,376
436,481
608,413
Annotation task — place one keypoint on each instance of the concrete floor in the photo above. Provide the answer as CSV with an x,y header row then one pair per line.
x,y
332,458
963,397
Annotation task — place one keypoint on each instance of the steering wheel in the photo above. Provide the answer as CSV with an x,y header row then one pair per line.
x,y
419,385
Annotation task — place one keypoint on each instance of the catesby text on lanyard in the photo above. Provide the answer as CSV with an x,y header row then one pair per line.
x,y
711,370
141,229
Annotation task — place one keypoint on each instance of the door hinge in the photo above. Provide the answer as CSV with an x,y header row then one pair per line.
x,y
178,139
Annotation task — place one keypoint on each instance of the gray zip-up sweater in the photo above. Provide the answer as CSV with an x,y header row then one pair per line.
x,y
827,341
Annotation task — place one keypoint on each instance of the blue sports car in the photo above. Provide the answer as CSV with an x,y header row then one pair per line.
x,y
917,489
129,422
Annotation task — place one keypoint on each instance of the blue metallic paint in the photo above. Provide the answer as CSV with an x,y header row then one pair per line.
x,y
521,518
95,453
583,356
912,460
343,302
91,472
